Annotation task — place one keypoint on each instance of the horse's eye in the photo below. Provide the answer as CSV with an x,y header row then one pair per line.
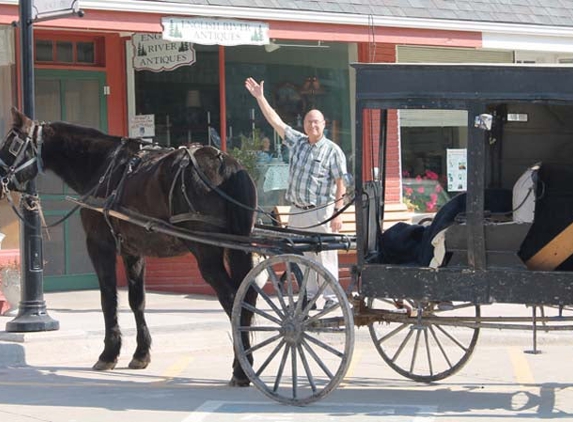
x,y
16,145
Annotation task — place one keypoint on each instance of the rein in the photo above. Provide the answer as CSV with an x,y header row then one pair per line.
x,y
34,139
259,210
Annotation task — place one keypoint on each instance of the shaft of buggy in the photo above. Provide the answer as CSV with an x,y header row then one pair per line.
x,y
265,245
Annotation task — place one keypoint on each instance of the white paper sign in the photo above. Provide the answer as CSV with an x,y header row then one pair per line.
x,y
142,126
457,169
215,31
45,8
6,50
151,52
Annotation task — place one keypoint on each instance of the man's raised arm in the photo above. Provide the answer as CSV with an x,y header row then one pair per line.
x,y
257,91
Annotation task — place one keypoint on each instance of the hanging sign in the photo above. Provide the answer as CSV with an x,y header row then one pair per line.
x,y
42,9
215,31
151,52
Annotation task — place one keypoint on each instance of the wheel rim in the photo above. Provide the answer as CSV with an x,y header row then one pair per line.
x,y
300,355
428,348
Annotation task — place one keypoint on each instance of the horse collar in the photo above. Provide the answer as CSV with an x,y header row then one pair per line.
x,y
38,139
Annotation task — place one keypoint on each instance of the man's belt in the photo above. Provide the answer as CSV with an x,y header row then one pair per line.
x,y
305,207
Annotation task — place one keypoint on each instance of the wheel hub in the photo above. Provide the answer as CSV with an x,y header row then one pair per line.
x,y
291,331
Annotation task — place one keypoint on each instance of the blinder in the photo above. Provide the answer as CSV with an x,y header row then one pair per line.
x,y
17,145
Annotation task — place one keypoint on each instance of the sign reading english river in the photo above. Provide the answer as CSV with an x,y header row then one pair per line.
x,y
215,31
151,52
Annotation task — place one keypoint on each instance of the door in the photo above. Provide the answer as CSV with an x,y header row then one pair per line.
x,y
75,97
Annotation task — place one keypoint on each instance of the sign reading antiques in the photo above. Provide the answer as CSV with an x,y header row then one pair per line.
x,y
215,31
53,8
151,52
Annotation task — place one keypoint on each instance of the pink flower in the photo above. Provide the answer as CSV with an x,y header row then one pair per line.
x,y
405,173
420,189
438,188
430,206
418,178
431,175
409,191
434,197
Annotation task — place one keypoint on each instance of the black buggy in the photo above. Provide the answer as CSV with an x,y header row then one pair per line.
x,y
421,289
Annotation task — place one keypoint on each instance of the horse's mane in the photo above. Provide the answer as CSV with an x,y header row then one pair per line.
x,y
69,130
88,150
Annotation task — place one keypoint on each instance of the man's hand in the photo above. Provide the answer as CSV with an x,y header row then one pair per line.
x,y
336,223
254,88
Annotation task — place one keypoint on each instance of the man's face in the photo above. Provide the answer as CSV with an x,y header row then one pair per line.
x,y
314,125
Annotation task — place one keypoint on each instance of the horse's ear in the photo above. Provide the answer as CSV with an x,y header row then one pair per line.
x,y
19,119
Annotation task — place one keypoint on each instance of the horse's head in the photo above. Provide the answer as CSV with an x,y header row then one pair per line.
x,y
20,153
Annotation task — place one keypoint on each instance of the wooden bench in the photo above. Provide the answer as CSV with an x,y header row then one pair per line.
x,y
393,214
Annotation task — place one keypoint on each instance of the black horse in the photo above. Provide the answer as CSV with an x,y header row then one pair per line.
x,y
199,189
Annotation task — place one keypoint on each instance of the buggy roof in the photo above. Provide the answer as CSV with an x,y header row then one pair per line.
x,y
384,85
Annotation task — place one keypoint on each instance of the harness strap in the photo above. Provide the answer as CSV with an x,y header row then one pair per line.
x,y
183,163
197,216
193,215
111,201
39,144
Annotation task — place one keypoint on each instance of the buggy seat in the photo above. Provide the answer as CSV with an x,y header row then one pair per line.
x,y
444,241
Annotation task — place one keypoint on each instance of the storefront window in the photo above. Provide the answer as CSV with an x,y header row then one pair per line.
x,y
184,101
86,52
298,77
44,51
425,137
65,51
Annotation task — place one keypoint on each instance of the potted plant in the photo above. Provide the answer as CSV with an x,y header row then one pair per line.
x,y
10,285
247,154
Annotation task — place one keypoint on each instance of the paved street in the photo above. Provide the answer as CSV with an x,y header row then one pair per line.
x,y
47,376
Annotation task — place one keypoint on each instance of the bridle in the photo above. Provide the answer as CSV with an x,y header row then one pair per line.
x,y
18,146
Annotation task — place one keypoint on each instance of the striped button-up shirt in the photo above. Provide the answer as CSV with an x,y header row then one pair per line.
x,y
313,169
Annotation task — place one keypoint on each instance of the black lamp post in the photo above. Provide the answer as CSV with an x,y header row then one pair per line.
x,y
32,313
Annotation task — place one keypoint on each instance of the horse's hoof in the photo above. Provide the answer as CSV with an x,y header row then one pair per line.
x,y
235,382
100,365
138,364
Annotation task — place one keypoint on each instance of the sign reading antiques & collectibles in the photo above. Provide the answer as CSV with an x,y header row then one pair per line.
x,y
151,52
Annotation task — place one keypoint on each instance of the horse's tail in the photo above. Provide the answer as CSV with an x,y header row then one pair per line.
x,y
241,216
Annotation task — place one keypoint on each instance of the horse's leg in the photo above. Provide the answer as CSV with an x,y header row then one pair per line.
x,y
240,263
211,264
135,272
240,379
103,258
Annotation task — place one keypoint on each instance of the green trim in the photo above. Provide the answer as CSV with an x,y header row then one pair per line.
x,y
70,282
64,75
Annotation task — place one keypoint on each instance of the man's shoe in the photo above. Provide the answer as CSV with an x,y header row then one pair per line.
x,y
330,303
445,306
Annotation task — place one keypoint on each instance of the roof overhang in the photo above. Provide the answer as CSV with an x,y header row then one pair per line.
x,y
497,35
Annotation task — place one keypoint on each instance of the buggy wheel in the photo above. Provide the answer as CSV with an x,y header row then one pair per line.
x,y
300,353
424,341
